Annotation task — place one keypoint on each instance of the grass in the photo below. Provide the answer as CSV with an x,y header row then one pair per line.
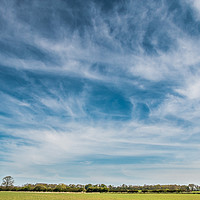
x,y
83,196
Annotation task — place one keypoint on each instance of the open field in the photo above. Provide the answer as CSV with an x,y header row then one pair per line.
x,y
73,196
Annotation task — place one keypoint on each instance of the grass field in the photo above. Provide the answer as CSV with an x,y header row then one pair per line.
x,y
70,196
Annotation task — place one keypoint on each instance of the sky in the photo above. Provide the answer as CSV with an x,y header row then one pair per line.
x,y
99,91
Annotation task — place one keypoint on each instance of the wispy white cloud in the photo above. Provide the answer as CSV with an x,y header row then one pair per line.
x,y
74,96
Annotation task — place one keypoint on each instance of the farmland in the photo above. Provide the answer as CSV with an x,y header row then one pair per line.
x,y
92,196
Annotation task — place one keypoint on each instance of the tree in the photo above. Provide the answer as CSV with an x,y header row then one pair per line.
x,y
40,188
8,181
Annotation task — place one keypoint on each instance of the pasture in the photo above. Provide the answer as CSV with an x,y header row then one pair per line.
x,y
92,196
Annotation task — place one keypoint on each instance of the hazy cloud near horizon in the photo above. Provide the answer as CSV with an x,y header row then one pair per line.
x,y
100,91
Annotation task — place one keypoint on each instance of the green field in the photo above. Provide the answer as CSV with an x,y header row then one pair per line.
x,y
72,196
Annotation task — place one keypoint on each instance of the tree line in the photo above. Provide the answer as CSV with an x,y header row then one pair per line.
x,y
8,185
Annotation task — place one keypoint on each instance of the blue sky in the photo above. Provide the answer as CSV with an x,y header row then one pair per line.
x,y
100,91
